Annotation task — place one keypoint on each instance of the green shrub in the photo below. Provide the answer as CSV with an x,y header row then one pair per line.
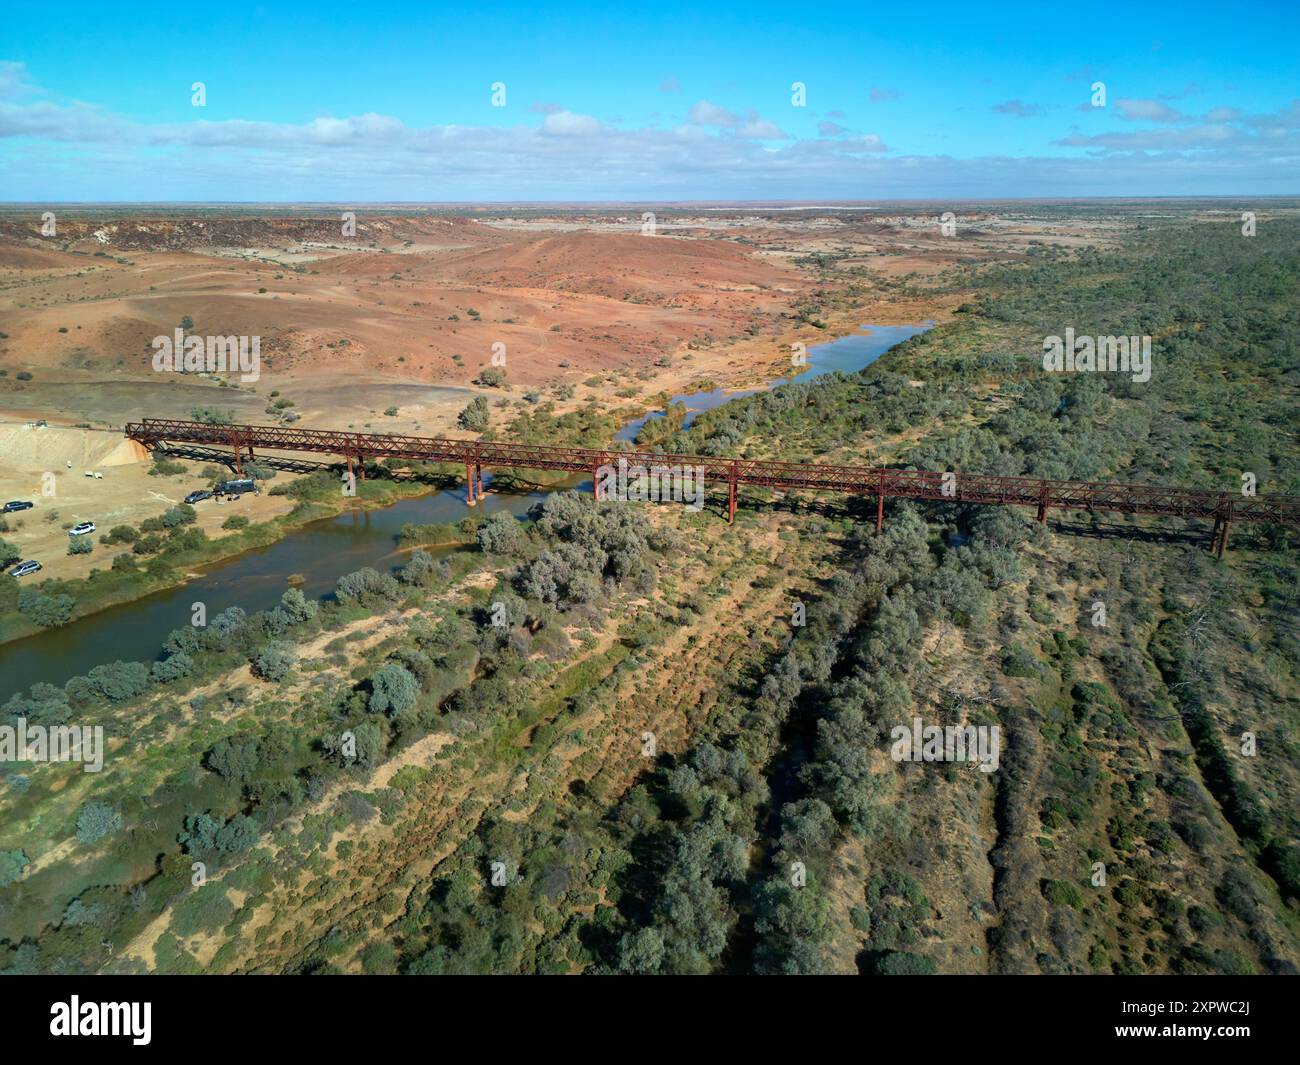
x,y
96,820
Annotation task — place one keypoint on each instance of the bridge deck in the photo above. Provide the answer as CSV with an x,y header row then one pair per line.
x,y
1043,494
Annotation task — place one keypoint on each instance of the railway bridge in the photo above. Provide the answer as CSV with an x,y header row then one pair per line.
x,y
1223,508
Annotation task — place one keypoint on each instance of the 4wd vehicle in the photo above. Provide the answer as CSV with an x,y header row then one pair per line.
x,y
195,497
82,528
24,568
17,504
236,487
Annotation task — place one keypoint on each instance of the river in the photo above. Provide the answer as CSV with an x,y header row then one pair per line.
x,y
322,551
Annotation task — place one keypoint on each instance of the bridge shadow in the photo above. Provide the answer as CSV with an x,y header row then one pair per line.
x,y
863,509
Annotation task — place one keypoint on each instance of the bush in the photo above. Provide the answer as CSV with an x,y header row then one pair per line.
x,y
79,545
118,681
172,668
204,910
46,611
491,377
1017,662
392,690
367,587
274,661
475,417
418,569
899,963
148,545
235,521
1063,893
96,820
164,467
181,514
296,607
379,959
235,758
12,864
120,534
501,535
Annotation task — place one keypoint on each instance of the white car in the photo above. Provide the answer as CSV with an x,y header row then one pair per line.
x,y
24,568
82,528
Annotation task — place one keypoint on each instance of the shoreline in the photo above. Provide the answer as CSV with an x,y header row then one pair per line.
x,y
280,527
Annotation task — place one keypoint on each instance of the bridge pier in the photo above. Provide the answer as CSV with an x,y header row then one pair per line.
x,y
595,480
781,477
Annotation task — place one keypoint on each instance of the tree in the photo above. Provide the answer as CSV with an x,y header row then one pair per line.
x,y
418,569
501,535
274,661
475,417
235,758
96,820
119,681
239,834
9,553
199,835
641,951
172,668
296,607
367,587
393,689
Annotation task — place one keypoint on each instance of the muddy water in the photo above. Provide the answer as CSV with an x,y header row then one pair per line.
x,y
323,551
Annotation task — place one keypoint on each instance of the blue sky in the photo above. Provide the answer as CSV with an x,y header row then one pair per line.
x,y
393,102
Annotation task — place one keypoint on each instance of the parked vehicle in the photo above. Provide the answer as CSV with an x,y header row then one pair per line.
x,y
236,487
17,504
95,474
82,528
24,568
195,497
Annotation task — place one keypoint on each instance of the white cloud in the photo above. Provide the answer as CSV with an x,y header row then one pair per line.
x,y
53,151
567,124
1147,111
707,114
1016,108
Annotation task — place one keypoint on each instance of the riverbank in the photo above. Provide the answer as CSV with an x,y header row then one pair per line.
x,y
103,589
127,614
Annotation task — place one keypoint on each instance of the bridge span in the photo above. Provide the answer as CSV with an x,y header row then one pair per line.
x,y
1042,494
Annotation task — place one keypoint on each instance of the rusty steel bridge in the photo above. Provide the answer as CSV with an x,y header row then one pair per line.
x,y
1223,508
